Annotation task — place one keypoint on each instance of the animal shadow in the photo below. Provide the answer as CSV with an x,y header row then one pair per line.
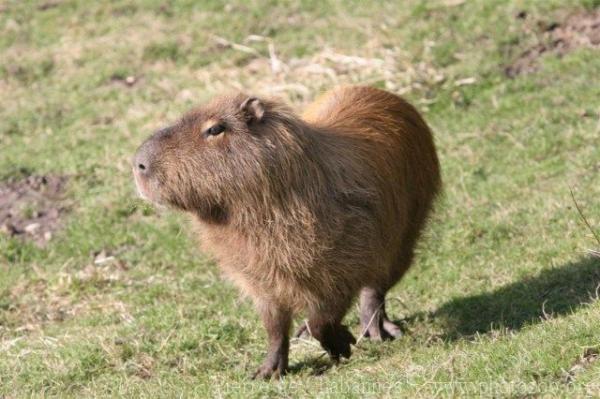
x,y
315,366
553,292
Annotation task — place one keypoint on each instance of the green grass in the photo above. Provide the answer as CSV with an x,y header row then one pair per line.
x,y
502,297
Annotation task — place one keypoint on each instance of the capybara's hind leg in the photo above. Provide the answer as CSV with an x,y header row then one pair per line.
x,y
373,319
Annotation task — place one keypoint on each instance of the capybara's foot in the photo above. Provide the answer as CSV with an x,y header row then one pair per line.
x,y
392,329
336,340
381,329
373,318
272,368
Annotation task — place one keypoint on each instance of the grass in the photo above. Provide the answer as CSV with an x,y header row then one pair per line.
x,y
502,300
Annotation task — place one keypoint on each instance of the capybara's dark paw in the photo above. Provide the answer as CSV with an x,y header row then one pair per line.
x,y
337,340
269,370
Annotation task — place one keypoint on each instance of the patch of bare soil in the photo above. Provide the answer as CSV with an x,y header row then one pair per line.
x,y
578,30
32,207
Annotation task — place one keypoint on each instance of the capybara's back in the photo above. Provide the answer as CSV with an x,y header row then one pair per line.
x,y
302,213
394,146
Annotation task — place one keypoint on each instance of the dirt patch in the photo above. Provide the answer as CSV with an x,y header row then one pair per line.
x,y
32,207
578,30
47,5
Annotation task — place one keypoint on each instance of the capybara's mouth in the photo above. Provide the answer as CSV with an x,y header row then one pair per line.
x,y
143,190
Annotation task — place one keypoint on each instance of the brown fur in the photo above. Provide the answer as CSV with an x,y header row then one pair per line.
x,y
302,213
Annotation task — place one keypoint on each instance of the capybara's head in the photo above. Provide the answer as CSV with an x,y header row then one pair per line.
x,y
231,149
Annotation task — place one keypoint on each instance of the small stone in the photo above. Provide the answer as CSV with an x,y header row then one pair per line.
x,y
48,236
130,80
102,257
32,228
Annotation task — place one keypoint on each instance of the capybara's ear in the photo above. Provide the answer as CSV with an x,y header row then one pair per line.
x,y
253,109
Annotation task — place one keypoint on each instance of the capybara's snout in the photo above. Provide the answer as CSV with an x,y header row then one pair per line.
x,y
143,158
145,164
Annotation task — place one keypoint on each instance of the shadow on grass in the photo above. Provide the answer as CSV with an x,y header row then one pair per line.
x,y
556,292
313,366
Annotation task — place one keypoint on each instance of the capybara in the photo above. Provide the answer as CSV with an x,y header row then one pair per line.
x,y
305,213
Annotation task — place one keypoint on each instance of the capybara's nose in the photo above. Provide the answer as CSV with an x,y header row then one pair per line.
x,y
141,166
140,163
147,154
142,159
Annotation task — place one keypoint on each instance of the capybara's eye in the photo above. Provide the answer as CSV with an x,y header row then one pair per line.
x,y
215,130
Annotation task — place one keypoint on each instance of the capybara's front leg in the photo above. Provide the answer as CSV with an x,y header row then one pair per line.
x,y
277,323
335,338
325,325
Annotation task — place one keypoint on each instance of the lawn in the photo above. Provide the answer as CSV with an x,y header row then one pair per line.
x,y
103,295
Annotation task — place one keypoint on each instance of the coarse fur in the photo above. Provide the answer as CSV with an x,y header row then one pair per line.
x,y
302,213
